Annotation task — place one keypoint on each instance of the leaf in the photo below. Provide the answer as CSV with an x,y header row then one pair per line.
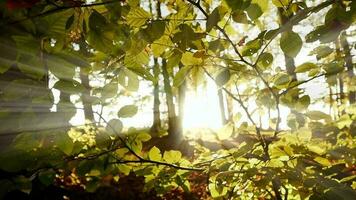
x,y
47,177
317,115
172,156
281,3
291,43
251,47
238,4
61,68
240,17
282,80
127,111
70,87
137,17
69,22
344,121
31,66
114,127
189,59
143,137
322,161
223,77
225,132
304,134
136,60
305,67
181,76
128,80
109,90
65,143
143,72
266,60
8,53
275,163
96,21
155,154
254,11
321,51
213,19
333,68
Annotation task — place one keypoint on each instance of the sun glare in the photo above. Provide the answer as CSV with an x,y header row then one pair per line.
x,y
201,108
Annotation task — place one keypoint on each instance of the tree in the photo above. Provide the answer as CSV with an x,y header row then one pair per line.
x,y
56,51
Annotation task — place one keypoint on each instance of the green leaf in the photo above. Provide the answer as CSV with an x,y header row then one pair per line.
x,y
70,87
153,31
265,60
254,11
238,4
172,156
60,67
282,80
114,127
251,47
137,17
275,163
8,53
127,111
225,132
305,67
304,134
223,77
322,161
143,72
240,17
65,143
109,90
96,21
333,68
281,3
321,51
143,137
31,66
155,154
344,121
291,43
189,59
136,60
128,80
47,177
181,76
213,19
317,115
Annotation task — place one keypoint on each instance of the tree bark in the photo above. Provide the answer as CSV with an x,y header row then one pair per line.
x,y
340,75
88,109
222,107
174,130
156,125
181,99
84,78
348,64
290,65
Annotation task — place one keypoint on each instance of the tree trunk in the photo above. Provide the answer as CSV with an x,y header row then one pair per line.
x,y
222,107
340,75
88,109
84,78
348,64
181,100
156,111
174,130
290,66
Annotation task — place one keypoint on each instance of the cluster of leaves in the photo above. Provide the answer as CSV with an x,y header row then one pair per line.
x,y
115,42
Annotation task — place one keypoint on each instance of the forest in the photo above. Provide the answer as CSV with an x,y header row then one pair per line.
x,y
178,99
